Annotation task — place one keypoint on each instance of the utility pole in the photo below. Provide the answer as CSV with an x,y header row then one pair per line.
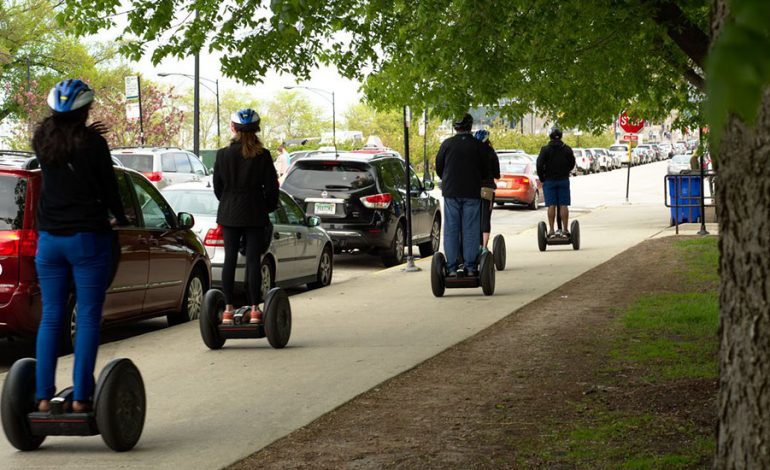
x,y
196,106
410,266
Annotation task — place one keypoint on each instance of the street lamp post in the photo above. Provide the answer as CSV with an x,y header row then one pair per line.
x,y
196,105
320,92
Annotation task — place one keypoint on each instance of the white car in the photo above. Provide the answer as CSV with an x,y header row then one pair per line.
x,y
678,164
620,151
300,251
163,166
582,160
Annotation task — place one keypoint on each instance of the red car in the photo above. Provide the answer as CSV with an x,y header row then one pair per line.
x,y
163,267
518,183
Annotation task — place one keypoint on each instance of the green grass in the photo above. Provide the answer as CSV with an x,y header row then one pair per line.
x,y
666,337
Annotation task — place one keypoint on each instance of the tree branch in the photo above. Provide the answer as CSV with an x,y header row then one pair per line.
x,y
685,34
4,113
695,79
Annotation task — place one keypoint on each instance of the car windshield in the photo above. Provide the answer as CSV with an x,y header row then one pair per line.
x,y
681,159
513,166
197,202
619,148
330,175
13,191
136,162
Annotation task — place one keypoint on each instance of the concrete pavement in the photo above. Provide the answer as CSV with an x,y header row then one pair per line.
x,y
207,409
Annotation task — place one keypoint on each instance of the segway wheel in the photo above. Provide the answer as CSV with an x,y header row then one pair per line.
x,y
498,248
120,405
574,229
18,400
211,317
437,274
487,273
541,236
277,318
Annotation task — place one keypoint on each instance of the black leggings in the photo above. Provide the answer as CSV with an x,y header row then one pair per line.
x,y
253,236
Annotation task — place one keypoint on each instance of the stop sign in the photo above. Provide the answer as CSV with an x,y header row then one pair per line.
x,y
628,126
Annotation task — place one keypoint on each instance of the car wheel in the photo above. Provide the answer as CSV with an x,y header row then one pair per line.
x,y
325,270
432,245
268,277
395,254
535,202
192,302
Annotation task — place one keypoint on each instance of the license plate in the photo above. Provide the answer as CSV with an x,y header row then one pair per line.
x,y
502,184
325,208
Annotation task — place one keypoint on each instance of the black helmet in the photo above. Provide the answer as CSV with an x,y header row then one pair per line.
x,y
555,133
465,123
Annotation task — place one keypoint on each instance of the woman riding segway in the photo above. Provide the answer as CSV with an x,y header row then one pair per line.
x,y
246,184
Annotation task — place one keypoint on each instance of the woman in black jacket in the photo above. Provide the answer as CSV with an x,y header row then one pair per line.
x,y
488,185
246,184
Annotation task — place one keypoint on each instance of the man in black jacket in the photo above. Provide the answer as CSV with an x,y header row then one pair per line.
x,y
554,164
460,165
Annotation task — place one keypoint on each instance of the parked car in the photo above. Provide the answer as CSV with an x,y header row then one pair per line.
x,y
163,268
680,148
518,183
606,163
360,197
582,161
300,251
679,164
594,157
640,156
666,149
162,165
621,151
650,154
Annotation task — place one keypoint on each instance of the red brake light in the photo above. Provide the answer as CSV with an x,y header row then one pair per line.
x,y
153,176
525,180
18,243
377,201
214,237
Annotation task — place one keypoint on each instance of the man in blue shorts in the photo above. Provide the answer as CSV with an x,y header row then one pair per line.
x,y
554,165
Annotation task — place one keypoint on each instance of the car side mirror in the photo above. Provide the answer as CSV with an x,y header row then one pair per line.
x,y
186,220
429,185
313,221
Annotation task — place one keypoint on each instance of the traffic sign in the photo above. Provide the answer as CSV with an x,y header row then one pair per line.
x,y
132,87
631,137
628,126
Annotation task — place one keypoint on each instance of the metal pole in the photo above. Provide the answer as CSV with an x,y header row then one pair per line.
x,y
410,267
196,106
334,126
628,178
219,137
702,230
425,145
141,119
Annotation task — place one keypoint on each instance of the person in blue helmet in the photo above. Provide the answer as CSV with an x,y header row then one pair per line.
x,y
488,186
246,184
76,242
461,167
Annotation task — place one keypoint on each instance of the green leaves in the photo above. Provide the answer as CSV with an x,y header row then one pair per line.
x,y
738,68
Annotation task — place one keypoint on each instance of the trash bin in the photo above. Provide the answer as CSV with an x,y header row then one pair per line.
x,y
684,190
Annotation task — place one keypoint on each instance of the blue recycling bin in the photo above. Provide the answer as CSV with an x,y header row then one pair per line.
x,y
684,190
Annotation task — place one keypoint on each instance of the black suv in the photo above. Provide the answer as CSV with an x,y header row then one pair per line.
x,y
360,197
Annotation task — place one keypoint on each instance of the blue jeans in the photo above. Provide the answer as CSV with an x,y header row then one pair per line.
x,y
86,258
462,216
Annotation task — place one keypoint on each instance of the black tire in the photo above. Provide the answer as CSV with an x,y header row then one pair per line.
x,y
192,302
535,202
541,236
17,401
277,318
575,234
211,318
498,251
437,274
325,270
394,255
487,273
268,279
120,405
432,245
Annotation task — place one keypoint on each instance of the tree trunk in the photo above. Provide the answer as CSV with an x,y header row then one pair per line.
x,y
743,199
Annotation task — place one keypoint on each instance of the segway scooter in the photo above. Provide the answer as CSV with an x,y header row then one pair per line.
x,y
118,413
573,239
276,325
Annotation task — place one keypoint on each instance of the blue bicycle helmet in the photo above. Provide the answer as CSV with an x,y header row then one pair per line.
x,y
69,95
482,135
245,120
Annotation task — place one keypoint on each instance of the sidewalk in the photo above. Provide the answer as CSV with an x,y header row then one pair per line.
x,y
207,409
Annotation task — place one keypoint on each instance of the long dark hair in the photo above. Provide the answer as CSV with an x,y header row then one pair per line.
x,y
251,146
58,136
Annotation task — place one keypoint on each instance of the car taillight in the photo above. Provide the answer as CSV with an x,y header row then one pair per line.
x,y
377,201
214,237
153,176
18,243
